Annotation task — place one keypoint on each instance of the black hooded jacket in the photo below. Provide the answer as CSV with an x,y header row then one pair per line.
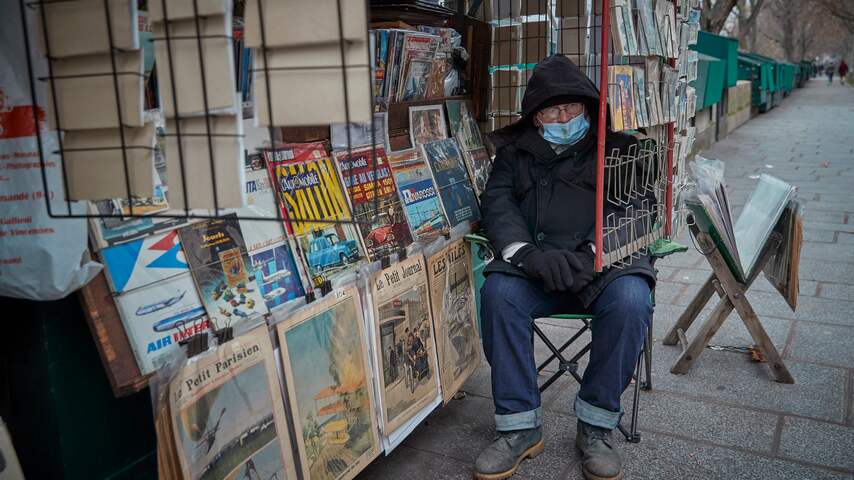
x,y
537,196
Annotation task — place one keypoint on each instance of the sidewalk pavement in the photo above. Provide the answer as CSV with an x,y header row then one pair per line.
x,y
726,418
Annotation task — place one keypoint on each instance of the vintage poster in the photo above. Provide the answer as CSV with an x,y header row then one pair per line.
x,y
623,107
112,230
418,194
463,124
228,417
327,376
426,124
480,166
221,266
158,316
311,197
454,316
404,346
376,206
452,181
145,261
277,275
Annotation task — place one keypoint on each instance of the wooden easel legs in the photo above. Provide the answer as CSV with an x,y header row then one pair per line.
x,y
732,296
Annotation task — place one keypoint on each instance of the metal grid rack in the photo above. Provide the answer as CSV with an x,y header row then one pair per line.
x,y
130,204
581,30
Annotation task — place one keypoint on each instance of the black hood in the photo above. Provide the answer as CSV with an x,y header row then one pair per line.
x,y
554,76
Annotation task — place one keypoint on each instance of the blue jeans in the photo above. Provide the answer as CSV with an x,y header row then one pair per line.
x,y
509,305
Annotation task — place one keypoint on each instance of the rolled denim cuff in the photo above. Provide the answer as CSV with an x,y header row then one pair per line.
x,y
596,416
519,421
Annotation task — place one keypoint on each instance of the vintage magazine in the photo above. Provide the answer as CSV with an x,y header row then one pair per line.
x,y
639,90
217,256
454,316
419,49
653,87
418,193
452,181
260,203
328,380
311,197
145,261
465,130
108,231
426,124
277,275
158,316
623,107
404,345
376,206
228,418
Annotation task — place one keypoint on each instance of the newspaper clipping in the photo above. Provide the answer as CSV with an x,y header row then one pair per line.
x,y
454,316
228,416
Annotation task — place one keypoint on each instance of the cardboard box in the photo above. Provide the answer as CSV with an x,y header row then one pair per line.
x,y
227,141
307,86
218,58
94,163
77,27
506,45
506,90
536,37
502,121
184,9
85,91
305,22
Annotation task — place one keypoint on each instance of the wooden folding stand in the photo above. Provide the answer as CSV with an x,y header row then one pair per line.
x,y
732,295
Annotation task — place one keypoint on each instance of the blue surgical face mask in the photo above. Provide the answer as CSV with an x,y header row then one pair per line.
x,y
566,133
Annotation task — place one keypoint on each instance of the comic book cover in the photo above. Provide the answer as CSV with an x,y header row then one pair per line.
x,y
158,316
277,275
141,262
454,316
417,191
311,196
376,205
217,256
449,172
404,344
419,49
480,166
426,124
228,417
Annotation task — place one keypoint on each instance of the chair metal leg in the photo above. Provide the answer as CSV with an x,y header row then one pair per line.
x,y
647,358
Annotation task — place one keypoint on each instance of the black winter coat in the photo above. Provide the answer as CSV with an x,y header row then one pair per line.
x,y
537,196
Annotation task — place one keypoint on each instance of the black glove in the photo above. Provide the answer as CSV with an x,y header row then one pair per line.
x,y
553,267
583,275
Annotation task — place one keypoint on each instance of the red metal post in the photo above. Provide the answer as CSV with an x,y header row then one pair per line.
x,y
601,132
668,197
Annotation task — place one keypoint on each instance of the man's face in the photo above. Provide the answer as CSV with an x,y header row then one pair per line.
x,y
559,113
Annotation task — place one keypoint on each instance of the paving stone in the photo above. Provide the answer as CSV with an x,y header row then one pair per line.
x,y
837,291
826,270
826,344
818,392
691,275
846,238
665,272
659,456
818,442
559,455
823,251
405,462
825,310
806,287
667,292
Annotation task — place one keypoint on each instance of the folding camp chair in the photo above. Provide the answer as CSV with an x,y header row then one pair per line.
x,y
483,250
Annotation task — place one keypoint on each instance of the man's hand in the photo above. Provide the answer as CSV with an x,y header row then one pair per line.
x,y
553,267
583,275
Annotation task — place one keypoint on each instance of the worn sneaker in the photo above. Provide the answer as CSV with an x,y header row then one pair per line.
x,y
502,457
600,459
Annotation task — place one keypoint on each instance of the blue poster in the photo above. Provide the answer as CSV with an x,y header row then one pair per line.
x,y
277,276
452,181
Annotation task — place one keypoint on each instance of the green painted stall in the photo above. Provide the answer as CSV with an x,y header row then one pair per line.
x,y
711,72
723,48
760,75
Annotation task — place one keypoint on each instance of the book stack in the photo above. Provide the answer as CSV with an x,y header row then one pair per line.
x,y
307,71
196,79
96,97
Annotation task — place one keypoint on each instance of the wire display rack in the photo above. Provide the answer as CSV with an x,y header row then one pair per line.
x,y
634,189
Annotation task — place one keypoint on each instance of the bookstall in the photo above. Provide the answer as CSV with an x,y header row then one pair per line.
x,y
280,199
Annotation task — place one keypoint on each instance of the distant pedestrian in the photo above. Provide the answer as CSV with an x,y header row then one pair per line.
x,y
843,70
829,71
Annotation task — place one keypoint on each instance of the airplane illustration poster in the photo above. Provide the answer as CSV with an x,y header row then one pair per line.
x,y
222,269
145,261
454,316
158,316
228,418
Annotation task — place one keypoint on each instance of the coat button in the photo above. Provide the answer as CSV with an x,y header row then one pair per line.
x,y
544,182
541,236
